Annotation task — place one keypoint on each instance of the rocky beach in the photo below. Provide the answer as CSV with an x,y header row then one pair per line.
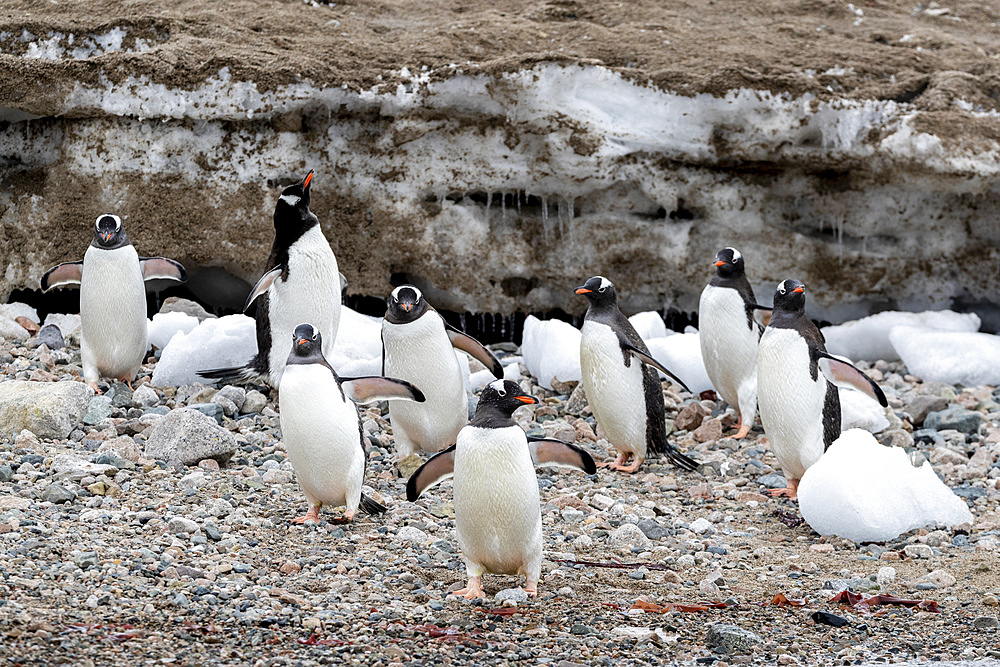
x,y
121,545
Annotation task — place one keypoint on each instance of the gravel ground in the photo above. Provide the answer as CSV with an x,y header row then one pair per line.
x,y
110,557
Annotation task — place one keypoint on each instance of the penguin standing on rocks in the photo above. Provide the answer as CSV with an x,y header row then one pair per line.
x,y
796,386
418,346
321,427
620,380
112,300
729,334
301,283
497,514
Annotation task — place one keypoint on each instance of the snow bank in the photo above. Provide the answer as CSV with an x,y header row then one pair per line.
x,y
551,350
511,371
868,338
649,325
215,343
965,358
163,326
681,354
865,492
358,349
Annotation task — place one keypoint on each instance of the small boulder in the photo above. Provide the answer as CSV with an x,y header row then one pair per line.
x,y
51,337
955,418
629,535
732,638
691,416
47,409
188,436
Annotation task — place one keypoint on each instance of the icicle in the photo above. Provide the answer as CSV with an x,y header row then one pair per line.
x,y
461,322
517,196
503,208
489,200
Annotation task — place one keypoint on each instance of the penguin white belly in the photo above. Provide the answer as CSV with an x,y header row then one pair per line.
x,y
497,516
421,353
112,314
729,348
790,401
310,295
322,437
615,393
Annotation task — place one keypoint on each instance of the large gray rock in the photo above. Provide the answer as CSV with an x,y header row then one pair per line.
x,y
732,637
188,436
47,409
954,417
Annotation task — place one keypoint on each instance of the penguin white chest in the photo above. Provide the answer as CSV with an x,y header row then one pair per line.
x,y
421,353
322,436
729,347
497,515
310,294
790,400
112,313
614,391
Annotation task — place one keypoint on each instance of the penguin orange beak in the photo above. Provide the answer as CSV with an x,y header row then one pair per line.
x,y
528,400
303,341
406,306
798,290
309,178
106,236
719,262
583,290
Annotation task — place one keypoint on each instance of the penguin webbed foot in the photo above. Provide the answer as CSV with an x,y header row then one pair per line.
x,y
617,464
791,491
310,517
97,390
472,591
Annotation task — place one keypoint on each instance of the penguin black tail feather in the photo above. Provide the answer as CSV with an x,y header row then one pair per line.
x,y
369,506
235,375
680,459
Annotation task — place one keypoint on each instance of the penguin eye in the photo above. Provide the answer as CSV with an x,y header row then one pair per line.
x,y
602,289
781,290
502,392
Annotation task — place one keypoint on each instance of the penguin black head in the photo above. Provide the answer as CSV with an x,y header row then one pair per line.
x,y
599,291
729,263
503,397
291,214
306,342
405,305
109,233
790,296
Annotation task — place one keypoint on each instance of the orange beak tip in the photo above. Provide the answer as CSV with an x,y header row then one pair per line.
x,y
798,290
527,400
307,181
303,341
719,263
582,290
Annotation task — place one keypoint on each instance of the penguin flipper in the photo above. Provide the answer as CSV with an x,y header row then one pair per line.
x,y
343,286
843,374
377,388
559,454
67,274
650,361
475,349
438,468
761,314
161,268
262,285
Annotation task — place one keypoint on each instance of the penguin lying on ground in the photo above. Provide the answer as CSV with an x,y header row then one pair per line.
x,y
497,516
796,386
321,427
112,300
418,346
730,328
620,380
301,283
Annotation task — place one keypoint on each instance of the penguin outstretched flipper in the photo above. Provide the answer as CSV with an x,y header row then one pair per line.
x,y
466,343
161,268
262,286
377,388
559,454
438,468
67,274
844,374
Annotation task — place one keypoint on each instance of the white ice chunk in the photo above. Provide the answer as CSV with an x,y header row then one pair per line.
x,y
865,492
11,330
15,310
358,349
649,325
681,354
480,379
966,358
163,326
868,338
69,324
215,343
551,349
859,411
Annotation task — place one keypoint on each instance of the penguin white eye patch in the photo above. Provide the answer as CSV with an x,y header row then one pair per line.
x,y
395,292
498,387
605,284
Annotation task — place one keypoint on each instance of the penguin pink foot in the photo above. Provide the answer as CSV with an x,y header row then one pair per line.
x,y
791,491
531,588
312,516
744,429
93,385
473,590
616,464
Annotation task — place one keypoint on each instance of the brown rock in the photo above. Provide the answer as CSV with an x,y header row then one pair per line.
x,y
690,417
703,490
747,496
28,325
584,432
289,567
710,429
208,464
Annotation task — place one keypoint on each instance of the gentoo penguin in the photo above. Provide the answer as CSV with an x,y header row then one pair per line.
x,y
301,283
620,380
321,427
796,393
497,515
729,333
418,346
112,300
